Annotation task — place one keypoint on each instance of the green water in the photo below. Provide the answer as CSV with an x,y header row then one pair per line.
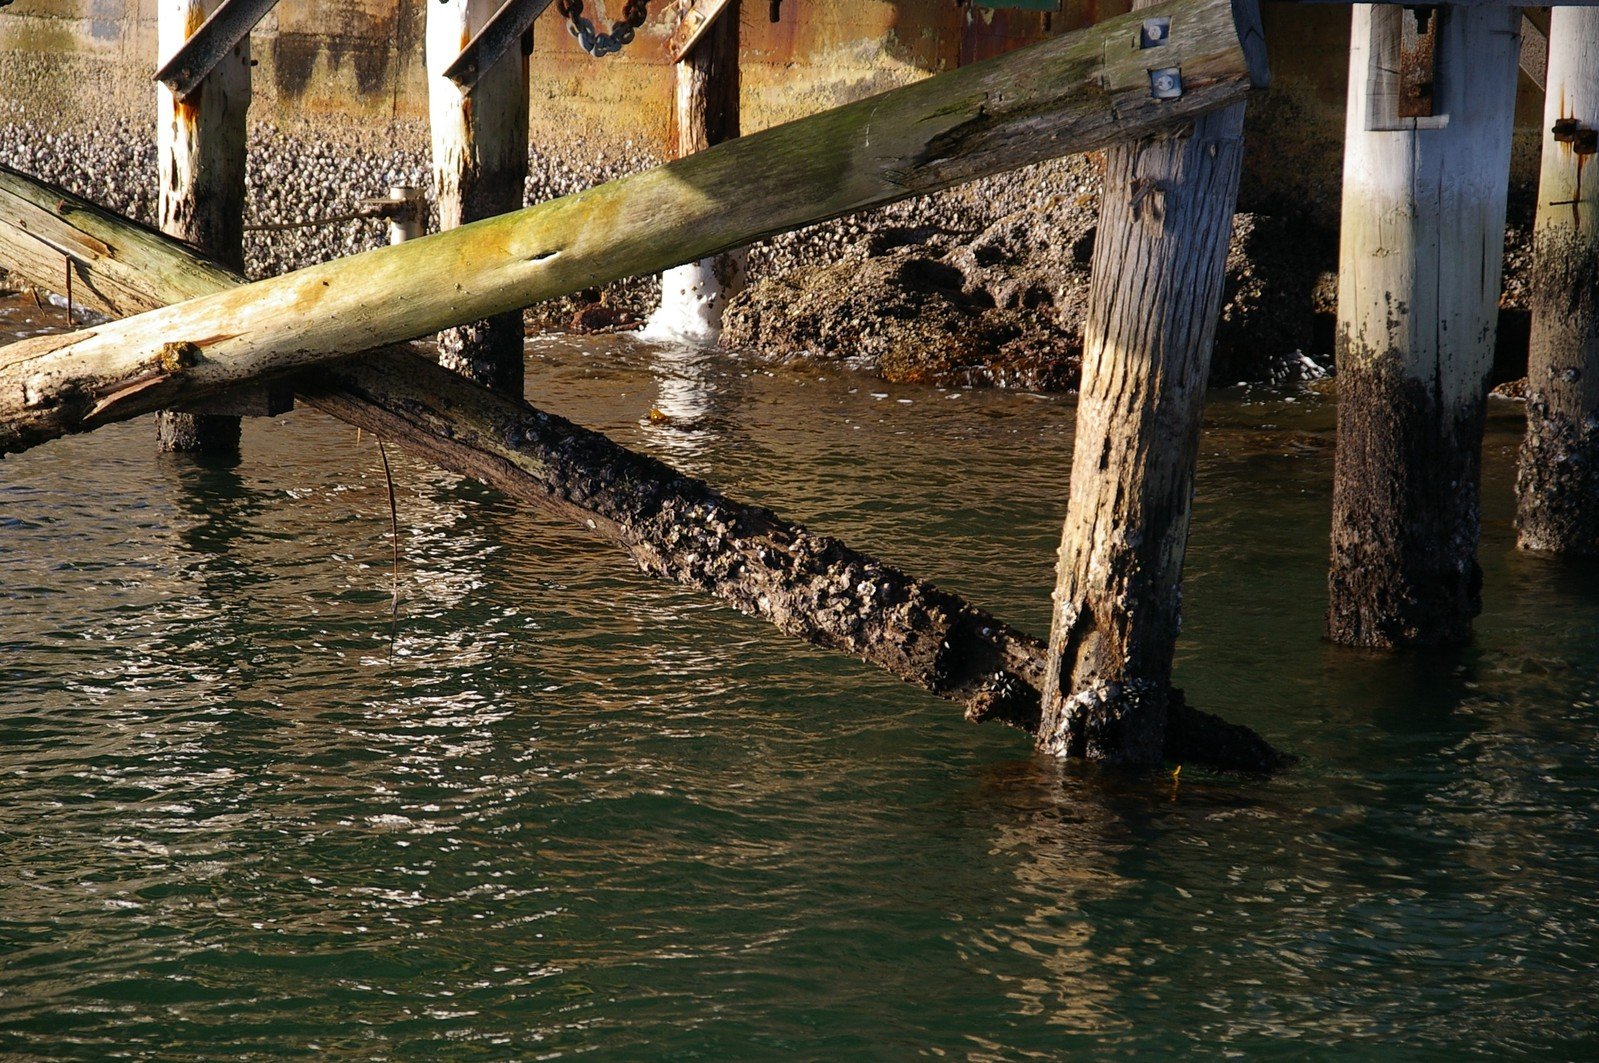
x,y
556,809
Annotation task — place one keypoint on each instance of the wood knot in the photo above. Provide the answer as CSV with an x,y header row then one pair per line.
x,y
180,355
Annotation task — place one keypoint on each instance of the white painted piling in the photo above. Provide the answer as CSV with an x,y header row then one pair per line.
x,y
1558,488
1418,301
706,112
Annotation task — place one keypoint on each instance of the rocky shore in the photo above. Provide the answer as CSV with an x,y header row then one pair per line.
x,y
984,284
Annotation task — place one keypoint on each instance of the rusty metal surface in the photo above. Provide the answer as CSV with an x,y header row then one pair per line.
x,y
1418,61
694,20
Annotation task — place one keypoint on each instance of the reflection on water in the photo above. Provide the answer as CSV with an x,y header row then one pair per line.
x,y
555,807
689,406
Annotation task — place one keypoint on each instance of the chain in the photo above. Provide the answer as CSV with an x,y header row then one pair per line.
x,y
600,45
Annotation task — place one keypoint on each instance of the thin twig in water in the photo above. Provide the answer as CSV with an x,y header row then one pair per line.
x,y
394,529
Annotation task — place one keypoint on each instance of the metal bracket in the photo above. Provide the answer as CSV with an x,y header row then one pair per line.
x,y
1584,140
404,207
698,17
1166,83
503,29
1155,32
219,35
1418,62
1402,89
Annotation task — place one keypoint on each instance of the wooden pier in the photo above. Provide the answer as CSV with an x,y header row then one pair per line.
x,y
1163,90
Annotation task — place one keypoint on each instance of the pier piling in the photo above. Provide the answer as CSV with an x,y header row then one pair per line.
x,y
1159,260
1420,255
705,112
480,145
201,151
1558,486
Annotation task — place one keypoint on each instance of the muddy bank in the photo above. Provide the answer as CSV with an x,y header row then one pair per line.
x,y
990,286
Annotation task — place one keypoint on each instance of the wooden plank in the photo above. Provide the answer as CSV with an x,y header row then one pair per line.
x,y
1036,103
224,30
503,30
697,18
1534,51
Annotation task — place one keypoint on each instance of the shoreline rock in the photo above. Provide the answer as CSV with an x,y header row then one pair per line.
x,y
985,284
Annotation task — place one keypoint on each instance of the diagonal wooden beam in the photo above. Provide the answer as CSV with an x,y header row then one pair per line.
x,y
503,29
216,37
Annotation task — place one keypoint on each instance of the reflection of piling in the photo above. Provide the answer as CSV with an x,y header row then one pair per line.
x,y
1426,167
201,150
1159,258
480,143
705,112
1558,488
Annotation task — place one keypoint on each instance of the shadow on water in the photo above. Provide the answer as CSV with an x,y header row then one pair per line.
x,y
215,505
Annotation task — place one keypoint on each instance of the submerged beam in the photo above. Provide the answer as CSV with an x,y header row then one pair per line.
x,y
1075,92
676,527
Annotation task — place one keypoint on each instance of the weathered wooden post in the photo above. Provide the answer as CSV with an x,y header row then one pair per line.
x,y
1426,171
1558,488
705,112
201,151
1159,256
480,144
